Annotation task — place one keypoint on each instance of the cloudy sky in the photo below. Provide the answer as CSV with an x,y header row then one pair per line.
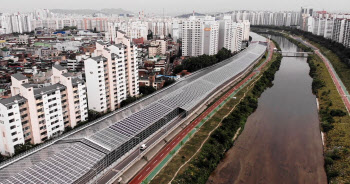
x,y
177,6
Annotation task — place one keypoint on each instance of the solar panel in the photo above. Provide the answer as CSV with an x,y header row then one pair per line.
x,y
74,162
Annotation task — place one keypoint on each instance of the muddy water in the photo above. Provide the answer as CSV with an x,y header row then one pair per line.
x,y
281,141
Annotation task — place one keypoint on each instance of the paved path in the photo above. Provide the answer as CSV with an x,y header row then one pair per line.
x,y
165,153
336,80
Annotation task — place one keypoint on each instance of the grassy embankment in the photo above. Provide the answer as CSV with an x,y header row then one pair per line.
x,y
335,122
190,148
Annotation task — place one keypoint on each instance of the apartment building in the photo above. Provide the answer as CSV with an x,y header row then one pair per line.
x,y
131,65
38,112
225,33
346,39
338,30
328,30
211,36
112,74
192,37
76,95
157,47
200,35
237,37
14,122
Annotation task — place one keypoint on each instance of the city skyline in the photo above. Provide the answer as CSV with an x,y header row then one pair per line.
x,y
177,7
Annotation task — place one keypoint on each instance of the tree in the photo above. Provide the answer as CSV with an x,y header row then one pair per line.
x,y
147,90
2,158
337,112
178,69
223,54
93,115
128,101
168,82
20,148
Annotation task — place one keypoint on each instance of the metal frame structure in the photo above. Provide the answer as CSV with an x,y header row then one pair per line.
x,y
84,160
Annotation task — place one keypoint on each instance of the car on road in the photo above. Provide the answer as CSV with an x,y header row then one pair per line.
x,y
143,147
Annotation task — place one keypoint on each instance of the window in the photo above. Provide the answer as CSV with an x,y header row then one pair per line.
x,y
10,114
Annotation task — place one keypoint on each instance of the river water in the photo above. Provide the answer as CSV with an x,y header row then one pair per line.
x,y
281,141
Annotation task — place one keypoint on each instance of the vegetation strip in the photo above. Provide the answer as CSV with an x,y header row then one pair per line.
x,y
194,144
220,141
334,121
231,124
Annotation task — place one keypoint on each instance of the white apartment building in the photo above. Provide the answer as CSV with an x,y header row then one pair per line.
x,y
204,35
338,30
211,36
346,40
112,75
12,116
96,81
37,113
131,65
200,35
237,37
328,30
192,37
176,30
225,33
76,95
231,34
246,30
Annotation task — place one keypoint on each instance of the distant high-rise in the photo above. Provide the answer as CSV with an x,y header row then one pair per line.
x,y
200,35
305,13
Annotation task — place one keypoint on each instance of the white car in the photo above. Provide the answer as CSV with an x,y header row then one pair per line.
x,y
143,147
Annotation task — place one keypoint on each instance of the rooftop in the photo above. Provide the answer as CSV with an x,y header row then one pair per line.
x,y
19,76
59,67
12,100
48,89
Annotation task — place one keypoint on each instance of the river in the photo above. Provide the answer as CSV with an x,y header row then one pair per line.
x,y
281,141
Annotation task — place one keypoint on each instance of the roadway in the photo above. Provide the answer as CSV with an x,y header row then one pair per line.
x,y
57,145
153,163
135,154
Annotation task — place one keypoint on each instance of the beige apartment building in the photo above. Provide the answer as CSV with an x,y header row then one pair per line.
x,y
38,112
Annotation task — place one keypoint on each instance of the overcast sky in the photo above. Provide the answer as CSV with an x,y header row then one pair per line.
x,y
178,6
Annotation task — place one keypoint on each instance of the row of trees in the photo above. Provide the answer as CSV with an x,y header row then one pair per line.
x,y
220,141
193,64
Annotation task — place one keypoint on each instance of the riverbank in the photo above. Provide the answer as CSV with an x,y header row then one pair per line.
x,y
199,168
334,122
281,141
